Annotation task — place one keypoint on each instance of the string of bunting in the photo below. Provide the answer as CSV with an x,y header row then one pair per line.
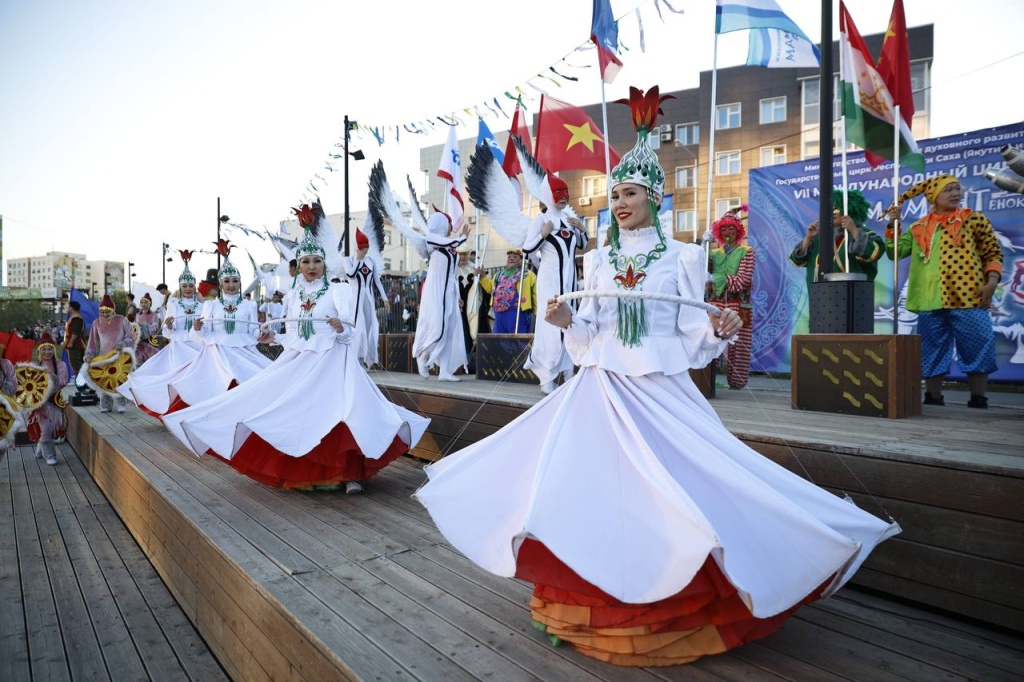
x,y
560,72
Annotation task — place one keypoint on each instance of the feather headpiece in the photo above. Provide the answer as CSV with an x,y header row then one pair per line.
x,y
640,164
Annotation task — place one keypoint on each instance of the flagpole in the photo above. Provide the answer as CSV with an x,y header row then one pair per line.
x,y
896,225
607,160
711,134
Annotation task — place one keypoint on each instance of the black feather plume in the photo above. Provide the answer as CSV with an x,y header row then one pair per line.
x,y
476,176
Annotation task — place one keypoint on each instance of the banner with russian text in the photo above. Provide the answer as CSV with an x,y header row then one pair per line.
x,y
784,201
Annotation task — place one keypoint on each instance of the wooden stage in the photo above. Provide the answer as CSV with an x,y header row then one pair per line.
x,y
323,586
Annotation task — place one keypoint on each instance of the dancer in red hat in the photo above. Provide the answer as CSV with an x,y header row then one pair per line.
x,y
109,355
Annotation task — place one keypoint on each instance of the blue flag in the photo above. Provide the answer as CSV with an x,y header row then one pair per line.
x,y
90,309
741,15
486,137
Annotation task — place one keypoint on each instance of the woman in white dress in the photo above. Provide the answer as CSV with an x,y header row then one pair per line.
x,y
227,332
652,535
147,385
313,418
363,277
553,247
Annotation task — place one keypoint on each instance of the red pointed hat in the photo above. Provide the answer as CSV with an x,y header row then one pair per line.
x,y
107,302
362,241
45,340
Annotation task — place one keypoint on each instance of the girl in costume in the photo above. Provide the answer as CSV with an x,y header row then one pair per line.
x,y
47,424
110,352
227,332
148,322
652,535
148,386
313,418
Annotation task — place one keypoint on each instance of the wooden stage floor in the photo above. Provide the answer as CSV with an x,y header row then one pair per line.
x,y
319,585
80,599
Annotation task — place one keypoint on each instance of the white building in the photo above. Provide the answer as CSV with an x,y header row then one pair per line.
x,y
61,270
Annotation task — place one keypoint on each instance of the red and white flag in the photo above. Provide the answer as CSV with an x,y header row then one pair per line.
x,y
451,170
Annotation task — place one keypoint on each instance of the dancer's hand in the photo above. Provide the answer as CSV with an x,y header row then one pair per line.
x,y
335,324
557,313
727,325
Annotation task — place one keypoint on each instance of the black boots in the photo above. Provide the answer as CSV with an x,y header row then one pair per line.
x,y
978,401
930,399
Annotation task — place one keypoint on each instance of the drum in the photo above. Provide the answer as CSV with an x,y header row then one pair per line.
x,y
35,386
108,371
11,421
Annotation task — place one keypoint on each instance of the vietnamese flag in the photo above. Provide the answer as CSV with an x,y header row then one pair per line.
x,y
568,139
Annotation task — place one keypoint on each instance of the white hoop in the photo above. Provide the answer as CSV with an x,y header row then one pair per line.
x,y
649,295
266,325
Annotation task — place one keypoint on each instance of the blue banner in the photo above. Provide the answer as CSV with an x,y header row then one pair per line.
x,y
784,201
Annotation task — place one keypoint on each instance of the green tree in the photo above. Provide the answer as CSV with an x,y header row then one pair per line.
x,y
21,314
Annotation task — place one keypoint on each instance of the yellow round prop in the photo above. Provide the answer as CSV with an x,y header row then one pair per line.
x,y
109,374
59,400
35,385
136,332
8,420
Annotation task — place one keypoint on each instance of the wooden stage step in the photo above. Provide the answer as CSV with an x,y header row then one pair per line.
x,y
287,585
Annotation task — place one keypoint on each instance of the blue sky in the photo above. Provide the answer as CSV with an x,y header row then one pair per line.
x,y
122,122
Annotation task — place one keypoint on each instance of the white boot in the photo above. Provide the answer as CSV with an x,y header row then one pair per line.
x,y
38,452
122,404
421,362
106,403
448,377
51,453
353,488
547,388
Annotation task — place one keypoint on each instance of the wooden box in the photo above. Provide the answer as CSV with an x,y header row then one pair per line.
x,y
872,375
396,353
500,357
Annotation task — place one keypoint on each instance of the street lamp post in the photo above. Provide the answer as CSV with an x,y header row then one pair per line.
x,y
220,219
164,260
130,275
358,156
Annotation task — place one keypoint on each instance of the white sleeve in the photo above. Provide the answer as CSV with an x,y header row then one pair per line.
x,y
693,323
583,329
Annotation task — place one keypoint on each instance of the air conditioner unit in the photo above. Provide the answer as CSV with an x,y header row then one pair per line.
x,y
585,201
472,220
666,137
665,127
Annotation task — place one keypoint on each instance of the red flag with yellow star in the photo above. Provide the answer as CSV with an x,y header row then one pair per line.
x,y
568,139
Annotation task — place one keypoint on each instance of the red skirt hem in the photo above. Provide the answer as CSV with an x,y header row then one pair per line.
x,y
336,459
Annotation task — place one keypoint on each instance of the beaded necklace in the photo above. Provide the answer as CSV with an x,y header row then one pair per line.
x,y
306,308
230,308
631,271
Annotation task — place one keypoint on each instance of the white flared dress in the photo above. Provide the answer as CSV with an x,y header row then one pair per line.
x,y
652,534
556,275
440,338
313,417
227,355
363,278
147,385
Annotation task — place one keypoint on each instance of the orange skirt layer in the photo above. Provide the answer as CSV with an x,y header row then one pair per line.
x,y
705,617
334,460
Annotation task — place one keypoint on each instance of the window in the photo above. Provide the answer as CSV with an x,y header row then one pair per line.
x,y
773,156
812,98
727,116
688,133
387,263
595,186
920,82
723,205
686,221
773,110
686,176
387,237
655,139
727,163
